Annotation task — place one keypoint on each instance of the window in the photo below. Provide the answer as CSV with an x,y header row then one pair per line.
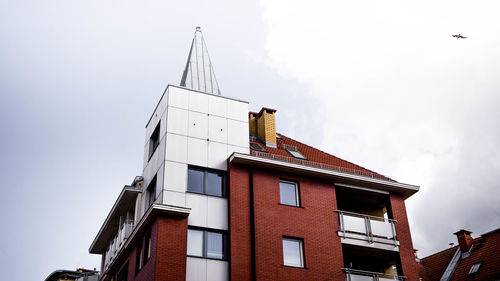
x,y
147,247
154,140
138,258
475,268
206,244
293,253
206,182
289,193
296,154
151,192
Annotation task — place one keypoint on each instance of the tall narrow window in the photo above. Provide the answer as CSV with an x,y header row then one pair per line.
x,y
289,193
147,247
206,181
151,192
138,258
206,244
293,252
154,140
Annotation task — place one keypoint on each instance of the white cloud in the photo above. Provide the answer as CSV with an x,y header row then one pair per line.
x,y
399,95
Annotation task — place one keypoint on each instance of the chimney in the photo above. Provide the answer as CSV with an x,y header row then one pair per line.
x,y
263,125
464,240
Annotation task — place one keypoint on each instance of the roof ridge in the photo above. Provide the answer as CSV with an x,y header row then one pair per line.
x,y
336,157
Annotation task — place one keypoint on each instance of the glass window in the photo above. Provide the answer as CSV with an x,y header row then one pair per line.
x,y
475,268
154,140
195,243
206,182
215,245
296,154
195,180
151,192
289,193
293,252
214,184
206,244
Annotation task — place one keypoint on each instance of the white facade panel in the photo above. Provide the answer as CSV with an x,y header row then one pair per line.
x,y
217,106
217,270
174,198
178,98
157,115
217,155
177,146
198,125
237,133
197,152
198,204
175,176
196,269
217,129
177,121
217,215
237,110
239,149
198,102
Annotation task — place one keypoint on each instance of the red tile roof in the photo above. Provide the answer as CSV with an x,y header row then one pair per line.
x,y
315,157
485,249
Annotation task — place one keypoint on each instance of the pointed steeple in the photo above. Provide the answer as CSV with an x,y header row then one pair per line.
x,y
199,74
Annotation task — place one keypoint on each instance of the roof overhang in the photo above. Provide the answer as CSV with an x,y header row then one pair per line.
x,y
110,226
406,190
141,227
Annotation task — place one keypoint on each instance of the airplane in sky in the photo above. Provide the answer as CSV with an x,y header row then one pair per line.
x,y
459,36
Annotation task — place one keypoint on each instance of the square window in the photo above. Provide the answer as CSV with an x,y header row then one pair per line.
x,y
289,193
293,254
206,182
206,244
475,268
154,140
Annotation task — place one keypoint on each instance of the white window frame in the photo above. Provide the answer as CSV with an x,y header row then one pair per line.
x,y
297,197
301,251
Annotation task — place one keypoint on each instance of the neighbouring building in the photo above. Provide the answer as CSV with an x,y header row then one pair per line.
x,y
80,274
473,259
223,196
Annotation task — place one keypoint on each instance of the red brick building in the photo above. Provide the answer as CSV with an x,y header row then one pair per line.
x,y
472,259
223,196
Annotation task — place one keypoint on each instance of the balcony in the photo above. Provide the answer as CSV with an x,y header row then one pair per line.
x,y
365,230
361,275
118,242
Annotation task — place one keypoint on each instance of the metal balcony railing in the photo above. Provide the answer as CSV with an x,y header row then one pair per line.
x,y
319,165
369,226
118,241
361,275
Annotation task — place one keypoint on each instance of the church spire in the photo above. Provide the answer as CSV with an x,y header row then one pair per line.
x,y
199,74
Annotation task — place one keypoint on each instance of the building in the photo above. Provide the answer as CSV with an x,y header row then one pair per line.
x,y
472,259
80,274
223,196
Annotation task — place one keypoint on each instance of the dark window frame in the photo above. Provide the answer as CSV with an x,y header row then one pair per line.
x,y
147,248
479,265
206,171
154,141
151,192
225,243
138,258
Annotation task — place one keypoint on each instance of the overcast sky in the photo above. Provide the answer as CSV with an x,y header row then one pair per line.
x,y
379,83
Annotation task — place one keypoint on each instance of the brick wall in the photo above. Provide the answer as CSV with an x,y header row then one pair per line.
x,y
407,255
147,271
171,248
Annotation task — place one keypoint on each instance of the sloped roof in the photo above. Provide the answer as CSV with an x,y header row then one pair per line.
x,y
485,249
315,157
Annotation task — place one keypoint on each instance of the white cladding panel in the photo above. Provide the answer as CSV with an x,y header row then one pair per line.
x,y
217,106
198,204
217,155
217,129
237,110
217,215
174,198
178,98
177,147
175,176
239,149
198,125
177,121
197,152
237,133
217,270
157,115
196,269
198,102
